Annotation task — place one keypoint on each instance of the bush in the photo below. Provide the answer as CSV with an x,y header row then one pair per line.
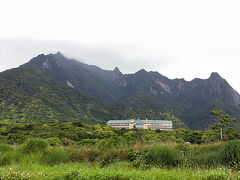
x,y
108,157
91,154
76,155
34,145
162,155
230,152
133,155
53,141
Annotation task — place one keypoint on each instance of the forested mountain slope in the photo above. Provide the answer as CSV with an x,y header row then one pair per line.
x,y
27,95
145,91
55,88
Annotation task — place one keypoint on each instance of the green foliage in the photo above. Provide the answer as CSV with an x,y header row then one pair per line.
x,y
223,121
177,123
118,170
230,152
33,93
34,145
108,157
27,95
19,175
203,156
162,155
5,147
7,158
53,141
132,158
217,176
55,156
70,134
205,159
71,175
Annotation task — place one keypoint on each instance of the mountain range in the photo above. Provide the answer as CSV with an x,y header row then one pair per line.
x,y
56,88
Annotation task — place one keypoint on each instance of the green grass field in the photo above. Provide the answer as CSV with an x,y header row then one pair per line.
x,y
117,170
35,159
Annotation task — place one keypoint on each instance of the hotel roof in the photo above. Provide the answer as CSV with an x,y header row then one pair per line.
x,y
118,121
144,121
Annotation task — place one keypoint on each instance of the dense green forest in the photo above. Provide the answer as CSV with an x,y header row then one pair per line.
x,y
78,134
28,96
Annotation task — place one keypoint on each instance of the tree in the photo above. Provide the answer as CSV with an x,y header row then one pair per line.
x,y
223,120
177,123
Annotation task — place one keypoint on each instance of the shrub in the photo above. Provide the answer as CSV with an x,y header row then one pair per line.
x,y
34,145
84,154
91,154
53,141
133,155
184,148
68,142
108,157
230,152
76,155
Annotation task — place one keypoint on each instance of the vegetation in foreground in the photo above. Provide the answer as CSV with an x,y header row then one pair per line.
x,y
79,134
35,159
79,151
118,170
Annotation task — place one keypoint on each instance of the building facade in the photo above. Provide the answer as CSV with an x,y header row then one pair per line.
x,y
141,124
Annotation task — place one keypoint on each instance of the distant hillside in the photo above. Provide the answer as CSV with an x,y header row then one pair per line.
x,y
27,95
146,93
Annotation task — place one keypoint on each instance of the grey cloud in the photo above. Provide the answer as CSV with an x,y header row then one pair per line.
x,y
14,52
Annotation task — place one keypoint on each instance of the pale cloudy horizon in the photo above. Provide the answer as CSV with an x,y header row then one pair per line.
x,y
179,39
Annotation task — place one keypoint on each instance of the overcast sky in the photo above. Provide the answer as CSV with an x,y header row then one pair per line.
x,y
179,39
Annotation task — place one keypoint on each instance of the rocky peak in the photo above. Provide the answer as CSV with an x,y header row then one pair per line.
x,y
141,71
215,75
116,74
117,71
217,82
58,55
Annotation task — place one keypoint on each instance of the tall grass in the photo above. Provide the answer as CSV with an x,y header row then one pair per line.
x,y
162,155
204,156
34,145
5,147
37,151
230,152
